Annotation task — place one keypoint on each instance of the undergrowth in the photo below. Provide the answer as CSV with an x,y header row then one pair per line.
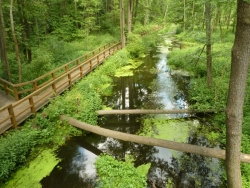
x,y
193,59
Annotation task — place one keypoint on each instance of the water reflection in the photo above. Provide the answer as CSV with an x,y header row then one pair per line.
x,y
76,168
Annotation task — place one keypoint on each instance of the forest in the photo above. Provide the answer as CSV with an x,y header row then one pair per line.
x,y
37,37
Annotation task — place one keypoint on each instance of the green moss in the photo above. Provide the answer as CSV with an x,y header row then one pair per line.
x,y
31,176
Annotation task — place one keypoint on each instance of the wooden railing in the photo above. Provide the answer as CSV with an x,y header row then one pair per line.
x,y
23,89
43,90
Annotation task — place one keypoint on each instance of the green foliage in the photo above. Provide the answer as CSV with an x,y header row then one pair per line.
x,y
14,149
203,97
135,45
113,173
64,28
245,168
192,60
214,97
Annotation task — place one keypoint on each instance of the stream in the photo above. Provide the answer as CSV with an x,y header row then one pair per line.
x,y
153,86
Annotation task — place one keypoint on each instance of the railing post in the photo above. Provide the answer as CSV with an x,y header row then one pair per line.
x,y
12,116
93,53
69,78
77,62
6,89
90,65
15,93
32,105
98,61
66,68
53,85
81,72
35,85
86,57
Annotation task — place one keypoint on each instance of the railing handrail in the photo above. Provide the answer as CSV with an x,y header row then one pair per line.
x,y
57,85
16,87
7,82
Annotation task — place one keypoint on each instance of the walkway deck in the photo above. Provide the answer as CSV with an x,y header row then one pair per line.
x,y
13,113
5,99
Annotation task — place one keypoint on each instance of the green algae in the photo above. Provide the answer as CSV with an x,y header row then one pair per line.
x,y
173,130
30,176
129,69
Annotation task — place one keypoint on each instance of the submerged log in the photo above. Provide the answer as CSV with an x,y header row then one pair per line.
x,y
138,111
188,148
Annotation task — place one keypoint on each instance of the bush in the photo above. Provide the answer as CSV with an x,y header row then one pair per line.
x,y
113,173
14,149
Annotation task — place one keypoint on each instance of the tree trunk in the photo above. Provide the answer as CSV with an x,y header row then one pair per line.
x,y
122,24
188,148
236,94
130,13
229,17
16,43
184,15
3,51
135,11
165,14
208,43
193,15
146,17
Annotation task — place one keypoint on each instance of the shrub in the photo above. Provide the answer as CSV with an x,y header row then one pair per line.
x,y
113,173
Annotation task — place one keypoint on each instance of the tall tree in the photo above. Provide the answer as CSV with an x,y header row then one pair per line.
x,y
130,13
236,94
3,50
208,43
147,11
122,23
16,43
184,15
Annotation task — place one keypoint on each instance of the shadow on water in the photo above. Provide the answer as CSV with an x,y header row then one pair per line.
x,y
152,87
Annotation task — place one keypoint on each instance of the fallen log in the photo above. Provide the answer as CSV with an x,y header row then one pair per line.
x,y
138,111
188,148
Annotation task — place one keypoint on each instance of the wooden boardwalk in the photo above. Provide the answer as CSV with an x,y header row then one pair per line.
x,y
5,99
13,111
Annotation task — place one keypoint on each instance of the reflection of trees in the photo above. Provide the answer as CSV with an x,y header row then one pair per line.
x,y
133,89
188,170
71,171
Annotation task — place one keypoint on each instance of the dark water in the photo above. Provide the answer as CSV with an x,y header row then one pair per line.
x,y
152,86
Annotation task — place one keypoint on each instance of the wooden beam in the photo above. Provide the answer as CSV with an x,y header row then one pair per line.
x,y
188,148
